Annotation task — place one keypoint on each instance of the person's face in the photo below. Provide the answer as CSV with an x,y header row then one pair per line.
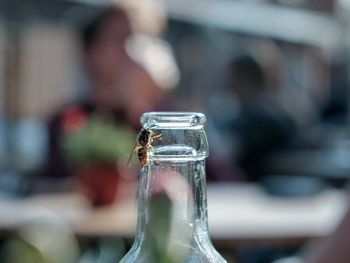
x,y
107,53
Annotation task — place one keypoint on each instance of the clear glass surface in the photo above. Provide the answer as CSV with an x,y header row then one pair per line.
x,y
172,214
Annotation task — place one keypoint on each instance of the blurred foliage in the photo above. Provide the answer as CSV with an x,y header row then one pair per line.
x,y
47,239
160,223
98,141
16,251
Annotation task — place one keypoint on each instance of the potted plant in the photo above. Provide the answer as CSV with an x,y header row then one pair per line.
x,y
94,145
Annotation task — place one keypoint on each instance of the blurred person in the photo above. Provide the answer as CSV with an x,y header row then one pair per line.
x,y
146,46
335,107
117,82
261,125
306,89
120,90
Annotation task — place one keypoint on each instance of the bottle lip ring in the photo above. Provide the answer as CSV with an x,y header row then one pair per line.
x,y
172,119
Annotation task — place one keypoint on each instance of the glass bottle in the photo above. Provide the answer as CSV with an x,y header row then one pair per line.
x,y
172,222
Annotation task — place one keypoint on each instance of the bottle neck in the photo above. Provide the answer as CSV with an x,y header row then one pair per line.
x,y
173,203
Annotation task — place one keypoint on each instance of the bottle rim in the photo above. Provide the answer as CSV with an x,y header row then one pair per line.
x,y
172,120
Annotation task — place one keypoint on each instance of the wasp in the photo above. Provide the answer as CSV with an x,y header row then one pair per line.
x,y
145,139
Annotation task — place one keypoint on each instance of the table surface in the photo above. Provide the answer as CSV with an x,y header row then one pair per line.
x,y
237,213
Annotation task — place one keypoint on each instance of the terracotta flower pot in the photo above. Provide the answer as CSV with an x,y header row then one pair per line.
x,y
99,183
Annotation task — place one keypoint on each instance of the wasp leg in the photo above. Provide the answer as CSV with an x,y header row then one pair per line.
x,y
151,147
155,137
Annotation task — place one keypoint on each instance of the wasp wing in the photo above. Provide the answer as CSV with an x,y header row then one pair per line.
x,y
135,149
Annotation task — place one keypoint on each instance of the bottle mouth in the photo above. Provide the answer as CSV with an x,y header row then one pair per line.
x,y
172,120
182,136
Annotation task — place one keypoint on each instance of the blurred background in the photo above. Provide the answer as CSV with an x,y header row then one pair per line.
x,y
272,77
